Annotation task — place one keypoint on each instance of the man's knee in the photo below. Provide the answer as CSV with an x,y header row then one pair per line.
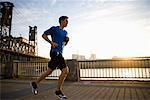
x,y
65,70
48,72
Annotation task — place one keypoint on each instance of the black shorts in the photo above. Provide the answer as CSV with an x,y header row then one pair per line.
x,y
57,61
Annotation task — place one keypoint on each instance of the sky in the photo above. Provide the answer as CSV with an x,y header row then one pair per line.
x,y
106,28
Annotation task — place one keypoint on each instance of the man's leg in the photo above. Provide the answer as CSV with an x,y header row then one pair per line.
x,y
34,84
48,72
62,77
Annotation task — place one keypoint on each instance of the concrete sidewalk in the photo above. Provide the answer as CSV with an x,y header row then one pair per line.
x,y
84,90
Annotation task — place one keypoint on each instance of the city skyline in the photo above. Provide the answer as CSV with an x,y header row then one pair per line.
x,y
106,28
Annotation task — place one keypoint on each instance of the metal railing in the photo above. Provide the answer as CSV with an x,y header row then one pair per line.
x,y
134,69
33,69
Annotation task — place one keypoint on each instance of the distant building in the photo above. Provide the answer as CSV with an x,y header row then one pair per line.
x,y
93,57
78,57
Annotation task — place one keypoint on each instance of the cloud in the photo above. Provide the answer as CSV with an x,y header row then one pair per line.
x,y
53,2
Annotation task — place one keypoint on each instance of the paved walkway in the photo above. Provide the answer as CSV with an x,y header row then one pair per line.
x,y
84,90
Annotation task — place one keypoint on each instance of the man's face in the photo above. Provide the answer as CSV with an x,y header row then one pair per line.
x,y
65,22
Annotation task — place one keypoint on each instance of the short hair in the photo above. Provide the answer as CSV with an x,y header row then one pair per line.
x,y
62,18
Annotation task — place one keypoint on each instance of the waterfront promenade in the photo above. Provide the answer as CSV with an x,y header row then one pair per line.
x,y
83,90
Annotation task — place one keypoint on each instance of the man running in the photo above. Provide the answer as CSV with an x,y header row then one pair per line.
x,y
58,40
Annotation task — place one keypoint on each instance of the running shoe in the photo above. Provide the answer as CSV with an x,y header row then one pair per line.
x,y
60,95
34,88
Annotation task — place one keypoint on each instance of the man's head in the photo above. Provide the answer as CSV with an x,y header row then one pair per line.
x,y
63,21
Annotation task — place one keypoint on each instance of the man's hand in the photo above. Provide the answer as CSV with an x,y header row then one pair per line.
x,y
53,44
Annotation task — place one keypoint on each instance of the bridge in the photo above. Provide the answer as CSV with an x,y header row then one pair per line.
x,y
106,79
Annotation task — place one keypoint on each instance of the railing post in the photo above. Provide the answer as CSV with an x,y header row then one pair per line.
x,y
15,69
8,69
74,71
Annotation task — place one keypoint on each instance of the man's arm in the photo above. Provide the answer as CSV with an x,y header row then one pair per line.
x,y
53,44
66,40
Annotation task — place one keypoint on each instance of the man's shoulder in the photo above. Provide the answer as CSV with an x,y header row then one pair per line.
x,y
53,27
51,30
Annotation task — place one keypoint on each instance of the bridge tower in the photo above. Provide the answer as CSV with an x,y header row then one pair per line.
x,y
6,11
33,48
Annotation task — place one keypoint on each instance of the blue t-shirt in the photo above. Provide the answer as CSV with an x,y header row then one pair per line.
x,y
58,35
